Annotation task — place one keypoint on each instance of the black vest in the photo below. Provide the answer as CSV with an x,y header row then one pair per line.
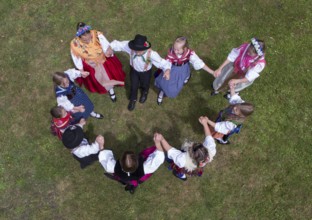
x,y
133,176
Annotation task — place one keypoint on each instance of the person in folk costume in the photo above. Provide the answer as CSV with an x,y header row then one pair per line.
x,y
132,170
142,57
231,117
242,66
91,52
71,97
192,157
180,56
61,119
82,151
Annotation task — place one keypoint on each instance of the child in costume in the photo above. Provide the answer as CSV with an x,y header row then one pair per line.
x,y
61,119
82,151
132,170
91,52
71,97
192,158
180,56
231,119
142,57
242,66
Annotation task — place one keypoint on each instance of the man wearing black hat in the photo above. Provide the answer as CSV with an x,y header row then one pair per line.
x,y
142,57
73,138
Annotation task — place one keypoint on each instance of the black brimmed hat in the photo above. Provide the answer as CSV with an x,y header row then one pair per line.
x,y
139,43
72,136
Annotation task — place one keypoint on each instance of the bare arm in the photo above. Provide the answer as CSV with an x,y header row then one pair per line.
x,y
205,121
207,69
218,71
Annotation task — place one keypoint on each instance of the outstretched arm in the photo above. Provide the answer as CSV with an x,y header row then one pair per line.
x,y
218,71
205,121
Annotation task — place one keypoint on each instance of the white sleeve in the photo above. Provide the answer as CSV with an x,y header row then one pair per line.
x,y
178,157
65,103
86,150
233,54
196,61
73,74
107,160
236,99
210,144
160,62
254,72
224,127
77,61
120,46
104,42
153,161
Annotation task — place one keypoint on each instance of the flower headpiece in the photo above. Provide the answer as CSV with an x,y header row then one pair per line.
x,y
257,46
83,30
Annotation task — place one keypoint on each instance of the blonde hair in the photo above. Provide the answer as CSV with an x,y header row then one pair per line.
x,y
197,151
183,40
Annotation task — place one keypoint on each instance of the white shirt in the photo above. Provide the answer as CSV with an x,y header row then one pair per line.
x,y
224,127
179,157
85,149
150,165
78,61
63,100
137,61
253,72
196,62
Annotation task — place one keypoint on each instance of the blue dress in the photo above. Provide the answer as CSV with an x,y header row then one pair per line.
x,y
77,97
174,85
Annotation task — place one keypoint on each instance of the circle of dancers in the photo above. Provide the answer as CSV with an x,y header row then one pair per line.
x,y
99,70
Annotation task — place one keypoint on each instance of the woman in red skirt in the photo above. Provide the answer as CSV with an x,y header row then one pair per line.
x,y
91,52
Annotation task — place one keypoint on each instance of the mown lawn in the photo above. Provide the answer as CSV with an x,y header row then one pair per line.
x,y
264,174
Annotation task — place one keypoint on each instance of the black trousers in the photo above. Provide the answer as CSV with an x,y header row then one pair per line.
x,y
139,80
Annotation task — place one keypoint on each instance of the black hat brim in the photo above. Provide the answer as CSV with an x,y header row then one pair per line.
x,y
132,46
72,138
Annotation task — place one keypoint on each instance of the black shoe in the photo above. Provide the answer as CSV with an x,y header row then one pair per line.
x,y
226,96
130,188
159,102
178,176
131,105
187,80
213,93
143,97
113,99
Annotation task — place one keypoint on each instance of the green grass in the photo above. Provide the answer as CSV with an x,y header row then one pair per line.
x,y
264,174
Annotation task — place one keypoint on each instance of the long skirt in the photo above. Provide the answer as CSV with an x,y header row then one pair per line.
x,y
220,84
113,70
174,85
80,98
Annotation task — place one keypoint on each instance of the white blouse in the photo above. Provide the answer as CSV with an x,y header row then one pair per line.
x,y
196,62
85,149
78,61
137,61
150,165
179,157
63,100
253,72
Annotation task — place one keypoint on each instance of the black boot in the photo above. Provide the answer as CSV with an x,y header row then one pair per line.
x,y
143,97
131,105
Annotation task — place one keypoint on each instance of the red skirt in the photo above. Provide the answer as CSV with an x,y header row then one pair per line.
x,y
113,69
